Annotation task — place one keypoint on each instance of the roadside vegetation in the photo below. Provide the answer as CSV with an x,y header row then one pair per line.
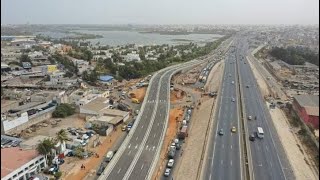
x,y
63,110
131,70
295,55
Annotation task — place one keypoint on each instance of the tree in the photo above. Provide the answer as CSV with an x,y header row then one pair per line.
x,y
45,148
63,110
25,58
61,136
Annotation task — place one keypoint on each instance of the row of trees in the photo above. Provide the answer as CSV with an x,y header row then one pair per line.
x,y
295,55
133,69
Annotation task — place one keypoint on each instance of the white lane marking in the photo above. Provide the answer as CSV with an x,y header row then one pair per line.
x,y
258,147
147,147
154,135
231,146
210,176
129,152
137,138
267,148
231,163
119,170
142,166
221,161
222,146
129,146
136,147
141,126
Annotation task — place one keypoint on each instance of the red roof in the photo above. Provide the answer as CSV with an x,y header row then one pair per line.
x,y
13,158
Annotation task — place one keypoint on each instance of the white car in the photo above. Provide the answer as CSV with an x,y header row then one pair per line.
x,y
232,82
167,172
233,100
170,163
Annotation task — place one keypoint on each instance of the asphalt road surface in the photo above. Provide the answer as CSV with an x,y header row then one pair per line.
x,y
224,154
267,162
139,153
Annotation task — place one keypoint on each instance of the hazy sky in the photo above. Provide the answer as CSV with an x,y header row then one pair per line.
x,y
160,11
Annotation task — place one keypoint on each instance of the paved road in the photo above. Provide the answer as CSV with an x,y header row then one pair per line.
x,y
140,153
224,154
268,164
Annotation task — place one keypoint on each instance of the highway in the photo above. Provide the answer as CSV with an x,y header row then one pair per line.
x,y
138,154
268,161
224,153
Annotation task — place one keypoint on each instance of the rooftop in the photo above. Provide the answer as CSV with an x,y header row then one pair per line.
x,y
96,105
309,102
114,112
105,78
13,158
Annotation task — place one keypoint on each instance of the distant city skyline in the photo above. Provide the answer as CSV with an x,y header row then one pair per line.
x,y
160,12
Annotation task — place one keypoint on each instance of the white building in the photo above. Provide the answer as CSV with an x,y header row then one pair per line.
x,y
18,164
132,57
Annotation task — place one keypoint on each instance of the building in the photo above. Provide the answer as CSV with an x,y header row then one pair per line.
x,y
106,79
94,106
20,164
307,107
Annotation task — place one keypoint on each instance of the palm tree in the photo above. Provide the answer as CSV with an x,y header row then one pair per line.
x,y
61,137
45,148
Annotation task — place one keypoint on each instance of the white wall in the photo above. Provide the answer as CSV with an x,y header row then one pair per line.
x,y
16,122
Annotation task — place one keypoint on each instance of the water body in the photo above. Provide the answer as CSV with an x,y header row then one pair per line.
x,y
115,38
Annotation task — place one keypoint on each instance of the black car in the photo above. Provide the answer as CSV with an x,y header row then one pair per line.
x,y
251,137
101,168
221,132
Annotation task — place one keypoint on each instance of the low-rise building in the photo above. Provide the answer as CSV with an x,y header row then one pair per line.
x,y
20,164
307,107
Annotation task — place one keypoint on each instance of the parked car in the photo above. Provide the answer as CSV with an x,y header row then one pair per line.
x,y
170,163
167,172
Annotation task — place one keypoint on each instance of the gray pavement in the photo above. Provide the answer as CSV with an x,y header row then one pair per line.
x,y
269,163
224,153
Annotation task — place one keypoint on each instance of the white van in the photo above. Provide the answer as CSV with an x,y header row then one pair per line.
x,y
260,133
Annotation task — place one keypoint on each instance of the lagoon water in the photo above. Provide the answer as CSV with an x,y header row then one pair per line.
x,y
115,38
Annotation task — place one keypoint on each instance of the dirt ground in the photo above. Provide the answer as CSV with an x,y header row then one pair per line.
x,y
292,146
72,121
289,140
91,163
139,93
177,95
174,118
199,124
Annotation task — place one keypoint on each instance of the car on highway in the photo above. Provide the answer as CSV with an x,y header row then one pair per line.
x,y
247,86
233,100
221,132
232,82
249,117
170,163
167,172
251,137
233,129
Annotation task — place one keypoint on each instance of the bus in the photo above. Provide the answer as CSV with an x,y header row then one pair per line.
x,y
260,133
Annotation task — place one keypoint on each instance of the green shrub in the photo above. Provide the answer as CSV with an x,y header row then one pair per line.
x,y
63,110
